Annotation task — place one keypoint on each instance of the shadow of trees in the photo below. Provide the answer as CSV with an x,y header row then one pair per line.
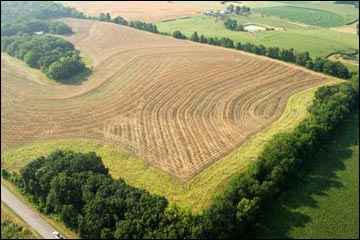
x,y
78,79
320,176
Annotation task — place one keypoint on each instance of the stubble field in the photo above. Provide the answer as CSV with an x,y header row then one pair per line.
x,y
177,105
148,11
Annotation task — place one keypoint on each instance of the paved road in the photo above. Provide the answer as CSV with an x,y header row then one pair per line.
x,y
26,213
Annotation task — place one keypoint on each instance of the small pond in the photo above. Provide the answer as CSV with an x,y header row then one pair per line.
x,y
254,28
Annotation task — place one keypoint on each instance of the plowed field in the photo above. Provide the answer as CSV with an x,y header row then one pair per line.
x,y
178,105
148,11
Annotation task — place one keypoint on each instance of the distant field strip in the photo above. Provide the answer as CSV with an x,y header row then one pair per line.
x,y
195,194
177,105
305,15
148,11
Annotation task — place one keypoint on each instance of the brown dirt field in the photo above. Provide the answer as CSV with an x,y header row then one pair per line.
x,y
148,11
178,105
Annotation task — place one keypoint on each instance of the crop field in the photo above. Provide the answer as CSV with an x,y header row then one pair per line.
x,y
317,13
181,129
148,98
195,194
288,35
144,11
308,16
347,11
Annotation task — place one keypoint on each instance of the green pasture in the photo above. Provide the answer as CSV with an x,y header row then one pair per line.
x,y
308,16
320,42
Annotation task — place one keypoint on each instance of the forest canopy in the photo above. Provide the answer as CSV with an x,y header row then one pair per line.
x,y
23,25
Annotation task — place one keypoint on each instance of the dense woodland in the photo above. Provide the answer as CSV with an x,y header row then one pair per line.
x,y
54,56
79,189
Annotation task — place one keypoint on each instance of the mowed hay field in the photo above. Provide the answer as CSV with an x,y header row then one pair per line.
x,y
177,105
305,15
148,11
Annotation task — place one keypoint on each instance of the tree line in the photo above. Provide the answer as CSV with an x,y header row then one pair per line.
x,y
319,64
77,187
235,210
106,17
238,9
51,10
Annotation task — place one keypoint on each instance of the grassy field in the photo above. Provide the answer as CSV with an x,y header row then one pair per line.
x,y
325,202
13,227
287,35
308,16
195,194
347,11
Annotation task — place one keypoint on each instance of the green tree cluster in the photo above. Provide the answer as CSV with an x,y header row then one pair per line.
x,y
60,28
238,9
233,25
77,187
244,9
177,34
56,57
105,17
19,17
149,27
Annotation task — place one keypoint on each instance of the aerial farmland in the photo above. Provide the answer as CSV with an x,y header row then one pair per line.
x,y
167,108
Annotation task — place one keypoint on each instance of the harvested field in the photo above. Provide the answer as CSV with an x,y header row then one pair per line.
x,y
148,11
178,105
